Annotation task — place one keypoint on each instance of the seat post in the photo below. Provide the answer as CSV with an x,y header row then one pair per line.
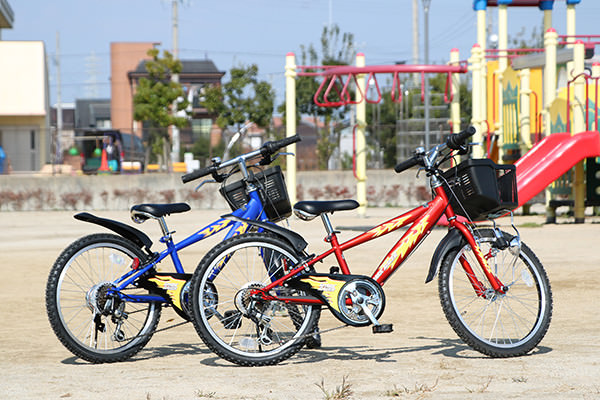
x,y
327,223
163,226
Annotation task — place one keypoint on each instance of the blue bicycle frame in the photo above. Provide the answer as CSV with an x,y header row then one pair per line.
x,y
252,211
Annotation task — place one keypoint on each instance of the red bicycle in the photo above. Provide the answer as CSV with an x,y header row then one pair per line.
x,y
256,297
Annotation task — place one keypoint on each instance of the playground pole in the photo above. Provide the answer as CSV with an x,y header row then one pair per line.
x,y
596,74
525,111
477,121
455,90
570,34
361,154
547,19
481,28
550,43
578,126
290,124
502,64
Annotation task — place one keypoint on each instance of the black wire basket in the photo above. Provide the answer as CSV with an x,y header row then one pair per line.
x,y
480,189
271,189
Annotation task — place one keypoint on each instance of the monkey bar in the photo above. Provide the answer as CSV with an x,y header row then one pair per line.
x,y
340,81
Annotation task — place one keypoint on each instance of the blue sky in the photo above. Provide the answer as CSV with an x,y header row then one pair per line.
x,y
262,32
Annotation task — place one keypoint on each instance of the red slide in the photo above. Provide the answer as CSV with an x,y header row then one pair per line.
x,y
551,158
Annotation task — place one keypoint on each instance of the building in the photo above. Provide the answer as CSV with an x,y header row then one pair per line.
x,y
124,58
24,105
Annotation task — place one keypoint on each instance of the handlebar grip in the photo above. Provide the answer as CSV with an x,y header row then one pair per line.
x,y
457,140
270,148
406,164
199,173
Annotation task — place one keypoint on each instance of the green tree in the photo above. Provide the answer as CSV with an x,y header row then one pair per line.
x,y
244,98
156,99
336,49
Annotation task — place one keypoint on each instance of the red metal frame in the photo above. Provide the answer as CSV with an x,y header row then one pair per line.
x,y
422,219
339,78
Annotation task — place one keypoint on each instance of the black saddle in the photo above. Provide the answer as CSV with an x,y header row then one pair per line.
x,y
319,207
144,211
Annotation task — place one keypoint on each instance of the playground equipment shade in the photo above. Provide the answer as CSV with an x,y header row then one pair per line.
x,y
551,158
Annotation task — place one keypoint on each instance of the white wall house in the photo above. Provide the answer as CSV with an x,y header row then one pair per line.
x,y
24,105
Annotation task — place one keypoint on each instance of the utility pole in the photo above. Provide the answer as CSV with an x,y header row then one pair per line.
x,y
175,78
59,121
415,44
426,4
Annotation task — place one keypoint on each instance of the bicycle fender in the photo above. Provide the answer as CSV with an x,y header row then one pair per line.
x,y
452,239
294,239
128,232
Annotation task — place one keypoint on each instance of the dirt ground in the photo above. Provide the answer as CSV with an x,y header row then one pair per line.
x,y
422,358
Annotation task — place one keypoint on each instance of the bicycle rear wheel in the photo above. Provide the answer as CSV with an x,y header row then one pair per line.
x,y
496,324
77,297
235,324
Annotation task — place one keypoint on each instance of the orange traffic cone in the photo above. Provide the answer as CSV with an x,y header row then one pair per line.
x,y
104,164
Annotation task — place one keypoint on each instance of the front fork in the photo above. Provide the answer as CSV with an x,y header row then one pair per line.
x,y
501,243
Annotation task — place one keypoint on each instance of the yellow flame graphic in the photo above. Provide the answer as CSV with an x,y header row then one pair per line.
x,y
175,294
320,283
388,227
407,243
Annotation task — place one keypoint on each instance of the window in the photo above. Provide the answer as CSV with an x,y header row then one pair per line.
x,y
201,128
32,139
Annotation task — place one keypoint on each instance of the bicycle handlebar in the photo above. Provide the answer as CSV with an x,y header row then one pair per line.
x,y
266,151
198,173
457,140
406,164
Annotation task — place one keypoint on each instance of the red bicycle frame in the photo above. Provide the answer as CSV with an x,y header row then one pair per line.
x,y
423,219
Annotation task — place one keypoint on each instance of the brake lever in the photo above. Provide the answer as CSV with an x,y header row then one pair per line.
x,y
203,182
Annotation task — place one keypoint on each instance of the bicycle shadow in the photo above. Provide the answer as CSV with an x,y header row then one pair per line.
x,y
453,348
149,353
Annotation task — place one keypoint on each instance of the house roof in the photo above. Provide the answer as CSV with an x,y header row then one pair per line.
x,y
193,71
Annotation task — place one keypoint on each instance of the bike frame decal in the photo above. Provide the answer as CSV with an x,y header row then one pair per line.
x,y
388,227
402,248
329,288
172,286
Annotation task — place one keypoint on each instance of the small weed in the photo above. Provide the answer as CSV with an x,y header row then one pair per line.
x,y
482,388
418,389
208,395
530,225
342,392
519,379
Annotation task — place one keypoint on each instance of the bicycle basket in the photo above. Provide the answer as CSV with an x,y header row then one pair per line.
x,y
480,189
271,189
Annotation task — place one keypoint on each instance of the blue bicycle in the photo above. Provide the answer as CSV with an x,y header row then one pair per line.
x,y
104,294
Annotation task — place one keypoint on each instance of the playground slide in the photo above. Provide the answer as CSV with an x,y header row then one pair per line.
x,y
551,158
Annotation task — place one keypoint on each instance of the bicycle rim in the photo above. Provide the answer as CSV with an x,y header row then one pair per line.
x,y
501,321
81,286
248,329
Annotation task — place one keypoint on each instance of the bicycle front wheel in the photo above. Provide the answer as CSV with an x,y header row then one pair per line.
x,y
87,321
497,324
235,323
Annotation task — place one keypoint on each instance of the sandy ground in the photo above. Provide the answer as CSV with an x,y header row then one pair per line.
x,y
422,358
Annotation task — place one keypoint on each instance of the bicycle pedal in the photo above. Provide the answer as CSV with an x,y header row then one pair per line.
x,y
383,328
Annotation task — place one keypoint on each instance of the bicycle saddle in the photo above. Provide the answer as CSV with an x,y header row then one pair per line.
x,y
311,209
145,211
